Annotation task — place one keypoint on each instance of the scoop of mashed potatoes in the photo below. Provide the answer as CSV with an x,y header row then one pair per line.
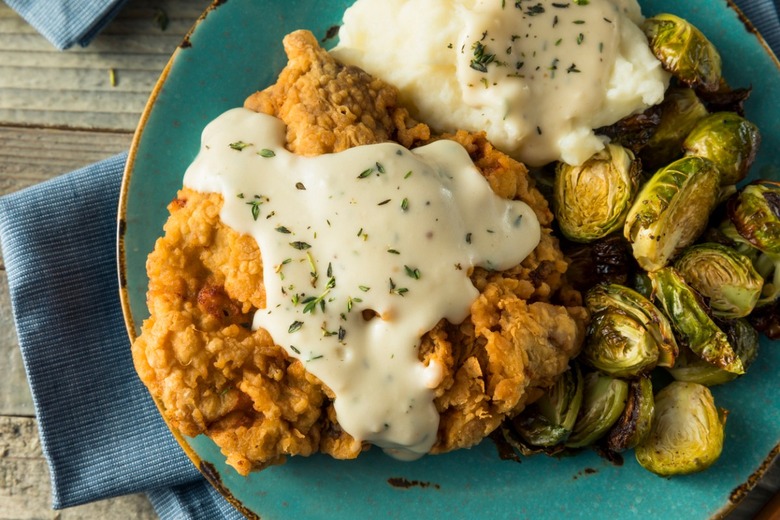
x,y
537,75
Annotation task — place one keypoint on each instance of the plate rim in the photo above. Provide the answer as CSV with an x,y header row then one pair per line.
x,y
737,495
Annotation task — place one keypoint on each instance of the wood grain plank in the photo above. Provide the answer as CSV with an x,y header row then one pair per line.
x,y
41,86
25,492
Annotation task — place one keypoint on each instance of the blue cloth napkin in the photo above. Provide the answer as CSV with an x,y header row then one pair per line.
x,y
66,22
100,431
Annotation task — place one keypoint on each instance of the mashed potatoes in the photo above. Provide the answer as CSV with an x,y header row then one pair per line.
x,y
537,76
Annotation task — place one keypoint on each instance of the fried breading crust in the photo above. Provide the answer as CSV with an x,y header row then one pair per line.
x,y
212,374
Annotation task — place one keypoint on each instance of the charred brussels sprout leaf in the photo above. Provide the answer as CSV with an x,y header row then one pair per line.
x,y
634,132
672,210
726,278
742,337
681,109
603,401
755,212
728,140
618,298
691,321
607,260
766,320
591,200
687,431
549,420
634,425
684,51
619,345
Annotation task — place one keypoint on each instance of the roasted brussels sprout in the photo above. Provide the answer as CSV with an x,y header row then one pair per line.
x,y
755,212
681,109
767,265
684,51
591,200
690,319
635,422
687,431
742,337
550,420
728,140
619,345
617,298
726,278
672,210
603,401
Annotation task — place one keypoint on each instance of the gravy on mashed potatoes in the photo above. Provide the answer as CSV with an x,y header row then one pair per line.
x,y
536,75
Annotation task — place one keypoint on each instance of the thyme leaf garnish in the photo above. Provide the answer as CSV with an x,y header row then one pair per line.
x,y
295,326
239,145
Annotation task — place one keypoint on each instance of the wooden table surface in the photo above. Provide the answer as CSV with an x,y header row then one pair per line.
x,y
60,111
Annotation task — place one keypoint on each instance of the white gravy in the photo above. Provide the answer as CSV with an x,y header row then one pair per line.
x,y
376,230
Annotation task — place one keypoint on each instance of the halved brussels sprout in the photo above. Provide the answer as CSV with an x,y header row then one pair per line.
x,y
549,420
728,140
672,210
690,319
603,401
619,345
613,297
743,338
684,51
634,425
722,275
687,431
755,212
767,265
681,109
591,200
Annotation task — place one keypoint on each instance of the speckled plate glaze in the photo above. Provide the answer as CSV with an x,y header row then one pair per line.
x,y
235,49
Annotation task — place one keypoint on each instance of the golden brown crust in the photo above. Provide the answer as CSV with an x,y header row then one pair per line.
x,y
212,374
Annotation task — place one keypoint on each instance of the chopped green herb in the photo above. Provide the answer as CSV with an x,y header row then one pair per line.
x,y
580,38
295,326
292,347
282,229
239,145
408,174
380,168
365,173
412,273
300,186
481,59
265,152
300,245
394,251
582,2
364,288
468,238
405,204
255,208
383,202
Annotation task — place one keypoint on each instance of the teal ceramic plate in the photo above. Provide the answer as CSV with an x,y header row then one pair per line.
x,y
236,49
